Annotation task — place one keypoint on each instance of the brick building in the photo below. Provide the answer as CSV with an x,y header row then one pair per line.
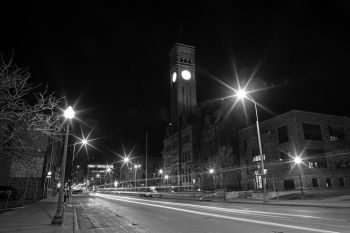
x,y
26,167
322,141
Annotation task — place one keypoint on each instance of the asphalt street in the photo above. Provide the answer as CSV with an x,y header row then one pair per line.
x,y
111,213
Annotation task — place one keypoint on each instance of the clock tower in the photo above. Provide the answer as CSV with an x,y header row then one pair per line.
x,y
182,83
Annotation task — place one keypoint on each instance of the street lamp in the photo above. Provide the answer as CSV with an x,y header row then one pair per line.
x,y
297,161
161,176
211,172
68,114
83,142
136,166
166,177
242,94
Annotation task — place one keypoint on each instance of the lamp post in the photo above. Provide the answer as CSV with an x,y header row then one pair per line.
x,y
84,143
161,176
241,94
136,166
166,177
108,171
211,172
297,161
68,114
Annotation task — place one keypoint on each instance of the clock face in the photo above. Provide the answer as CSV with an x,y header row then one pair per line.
x,y
174,77
186,75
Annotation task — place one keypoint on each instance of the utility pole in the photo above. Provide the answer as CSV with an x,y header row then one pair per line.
x,y
146,157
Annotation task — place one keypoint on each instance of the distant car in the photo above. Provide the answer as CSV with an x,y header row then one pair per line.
x,y
8,191
76,191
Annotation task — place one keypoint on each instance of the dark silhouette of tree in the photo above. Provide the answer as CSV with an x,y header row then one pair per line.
x,y
26,115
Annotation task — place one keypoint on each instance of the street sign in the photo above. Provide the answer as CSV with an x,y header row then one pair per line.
x,y
258,158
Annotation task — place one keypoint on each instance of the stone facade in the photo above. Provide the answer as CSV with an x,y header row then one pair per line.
x,y
322,141
195,132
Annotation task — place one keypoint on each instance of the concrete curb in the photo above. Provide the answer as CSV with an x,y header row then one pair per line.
x,y
75,221
283,204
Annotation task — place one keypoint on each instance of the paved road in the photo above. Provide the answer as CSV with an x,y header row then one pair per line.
x,y
111,213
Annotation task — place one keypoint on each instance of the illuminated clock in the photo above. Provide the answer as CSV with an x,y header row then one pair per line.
x,y
174,77
186,74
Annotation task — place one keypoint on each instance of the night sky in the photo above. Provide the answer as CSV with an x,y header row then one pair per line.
x,y
111,59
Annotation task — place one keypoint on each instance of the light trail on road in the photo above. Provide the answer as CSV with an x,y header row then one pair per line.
x,y
165,205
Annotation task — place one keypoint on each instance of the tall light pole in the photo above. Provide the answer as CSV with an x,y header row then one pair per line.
x,y
146,157
136,166
108,171
68,114
211,172
161,176
241,94
297,161
84,143
166,177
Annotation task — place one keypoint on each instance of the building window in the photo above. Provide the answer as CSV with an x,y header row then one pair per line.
x,y
328,182
282,133
314,182
174,145
341,181
319,163
284,155
167,147
336,133
186,139
245,144
288,184
288,166
318,152
312,132
255,152
342,163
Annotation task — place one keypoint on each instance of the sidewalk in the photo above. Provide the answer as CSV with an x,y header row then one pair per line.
x,y
36,218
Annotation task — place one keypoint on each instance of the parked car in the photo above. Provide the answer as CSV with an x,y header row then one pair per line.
x,y
76,191
6,191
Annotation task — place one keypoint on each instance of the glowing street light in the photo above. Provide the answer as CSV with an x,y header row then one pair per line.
x,y
108,170
126,159
115,183
136,166
161,171
298,161
166,177
68,114
211,172
242,94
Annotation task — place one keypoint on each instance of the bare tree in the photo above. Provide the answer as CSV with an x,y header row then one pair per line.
x,y
224,162
24,113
